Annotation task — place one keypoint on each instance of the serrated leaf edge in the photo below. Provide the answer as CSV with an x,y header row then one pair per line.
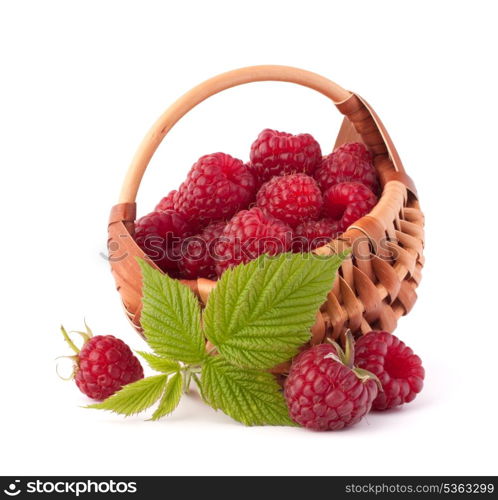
x,y
221,312
155,362
170,398
123,403
244,412
180,314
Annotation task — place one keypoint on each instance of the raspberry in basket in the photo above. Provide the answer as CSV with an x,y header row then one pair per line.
x,y
103,365
291,198
347,202
399,370
159,235
313,234
167,203
348,163
249,234
277,153
325,392
197,259
216,187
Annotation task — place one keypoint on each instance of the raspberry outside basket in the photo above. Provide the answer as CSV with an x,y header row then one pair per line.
x,y
376,286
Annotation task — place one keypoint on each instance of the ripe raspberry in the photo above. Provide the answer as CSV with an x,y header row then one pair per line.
x,y
198,253
103,365
313,234
357,149
324,391
347,202
217,186
277,153
159,234
399,370
348,163
291,198
249,234
167,203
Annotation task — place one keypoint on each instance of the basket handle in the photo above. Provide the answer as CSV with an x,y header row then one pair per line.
x,y
208,88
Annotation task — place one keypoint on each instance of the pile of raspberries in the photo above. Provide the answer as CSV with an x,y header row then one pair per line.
x,y
288,197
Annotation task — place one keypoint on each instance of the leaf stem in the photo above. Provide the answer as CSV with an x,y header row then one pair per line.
x,y
186,381
196,380
189,372
199,385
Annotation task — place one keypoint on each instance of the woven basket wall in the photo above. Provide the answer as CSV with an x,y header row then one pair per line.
x,y
376,286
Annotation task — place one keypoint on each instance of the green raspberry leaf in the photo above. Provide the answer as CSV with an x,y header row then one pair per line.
x,y
171,317
160,364
171,397
134,398
248,396
260,313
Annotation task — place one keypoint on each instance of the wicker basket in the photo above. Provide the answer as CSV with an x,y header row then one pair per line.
x,y
376,286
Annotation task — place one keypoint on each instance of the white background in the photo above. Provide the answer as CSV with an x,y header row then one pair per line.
x,y
80,84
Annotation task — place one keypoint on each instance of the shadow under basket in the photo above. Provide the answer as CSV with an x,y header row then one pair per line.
x,y
375,286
